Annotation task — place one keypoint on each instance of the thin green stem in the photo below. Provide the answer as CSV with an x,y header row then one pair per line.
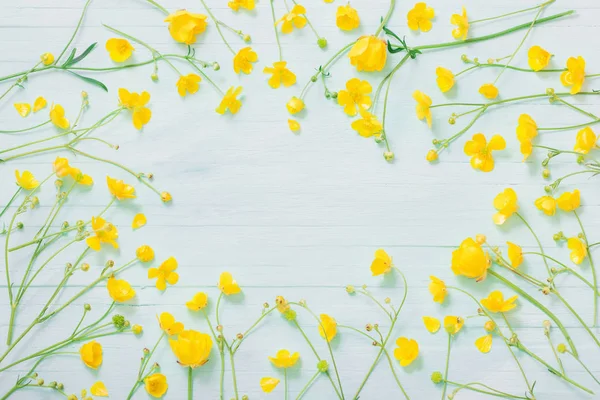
x,y
161,8
235,387
510,13
308,384
589,114
537,241
395,375
275,27
447,366
581,321
285,382
565,128
385,19
87,3
27,129
309,23
190,384
565,268
593,268
10,201
216,21
490,392
585,367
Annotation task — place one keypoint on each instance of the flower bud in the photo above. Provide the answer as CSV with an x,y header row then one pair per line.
x,y
546,173
40,382
71,397
388,300
313,78
550,92
85,267
220,328
490,60
480,239
322,366
216,66
20,225
580,159
489,326
464,58
546,290
154,77
290,315
369,327
388,155
350,289
146,351
239,336
451,120
110,264
52,384
87,307
118,320
334,95
437,377
322,42
561,348
247,38
166,197
432,155
266,305
60,386
547,189
245,397
136,329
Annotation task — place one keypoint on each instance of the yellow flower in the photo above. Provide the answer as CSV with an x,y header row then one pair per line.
x,y
368,125
189,83
462,25
481,152
119,50
431,155
168,324
137,329
382,264
515,254
489,91
91,354
267,384
235,5
419,18
495,302
62,169
26,181
293,125
506,204
346,18
199,301
120,189
119,289
407,350
453,324
355,97
57,116
165,197
484,343
327,327
184,26
283,359
575,74
228,285
156,385
578,250
445,79
165,273
585,140
47,58
431,324
145,253
282,304
547,204
526,132
99,389
137,104
230,101
104,232
138,221
569,201
423,104
437,288
280,74
191,348
538,58
369,53
295,105
470,260
242,61
23,109
39,104
294,18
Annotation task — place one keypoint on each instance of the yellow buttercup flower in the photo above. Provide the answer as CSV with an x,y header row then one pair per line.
x,y
445,79
569,201
419,18
189,83
120,189
575,74
145,253
368,125
578,250
57,116
346,18
585,140
328,327
119,50
484,343
355,97
227,285
283,359
432,324
282,304
198,302
119,289
506,204
47,58
23,109
62,169
191,348
268,384
489,91
515,254
230,101
26,181
104,232
431,155
165,273
242,61
369,53
547,204
495,302
481,152
167,323
295,105
453,324
280,74
39,104
437,288
538,58
99,389
293,125
470,260
137,104
382,264
526,132
139,220
156,385
423,104
294,18
184,26
91,354
137,329
462,25
407,351
235,5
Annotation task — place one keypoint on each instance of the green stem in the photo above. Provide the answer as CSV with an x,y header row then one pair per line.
x,y
275,27
235,387
594,277
27,129
578,109
447,366
190,386
161,8
308,384
581,321
309,23
586,368
285,382
490,392
216,21
10,201
536,239
385,19
87,3
394,373
566,268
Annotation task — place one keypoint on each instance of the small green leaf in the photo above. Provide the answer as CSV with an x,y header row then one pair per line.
x,y
70,58
90,81
84,54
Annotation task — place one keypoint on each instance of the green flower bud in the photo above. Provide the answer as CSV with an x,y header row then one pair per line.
x,y
322,366
322,42
546,173
87,307
290,315
40,382
154,77
547,189
561,348
350,289
247,38
118,321
388,155
437,377
216,66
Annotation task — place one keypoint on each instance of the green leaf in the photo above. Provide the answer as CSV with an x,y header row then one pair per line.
x,y
90,81
388,32
84,54
70,58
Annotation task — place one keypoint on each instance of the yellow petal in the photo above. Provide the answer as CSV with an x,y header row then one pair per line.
x,y
99,389
267,384
39,103
23,109
431,324
138,221
484,343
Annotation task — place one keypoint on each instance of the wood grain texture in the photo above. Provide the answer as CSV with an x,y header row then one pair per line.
x,y
300,215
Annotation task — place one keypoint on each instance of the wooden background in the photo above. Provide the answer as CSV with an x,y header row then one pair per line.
x,y
300,215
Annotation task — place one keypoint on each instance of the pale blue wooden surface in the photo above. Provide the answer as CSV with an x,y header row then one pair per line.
x,y
300,215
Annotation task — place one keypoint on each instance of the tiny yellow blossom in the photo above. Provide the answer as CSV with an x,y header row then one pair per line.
x,y
432,324
57,116
230,101
346,18
268,384
235,5
227,285
327,327
282,304
515,254
26,181
295,105
280,74
189,83
419,18
431,155
138,221
484,343
119,50
165,273
526,132
407,351
462,25
382,264
423,104
578,250
23,109
470,260
156,385
192,348
104,232
547,204
47,58
198,302
293,125
445,79
495,302
437,288
120,189
355,96
295,18
585,140
453,324
91,354
368,125
136,103
39,104
166,197
283,359
62,168
137,329
489,326
569,201
369,53
145,253
480,151
489,91
119,289
184,26
242,61
574,75
538,58
99,389
506,204
167,323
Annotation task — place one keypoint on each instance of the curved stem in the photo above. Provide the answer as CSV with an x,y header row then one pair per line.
x,y
216,21
394,373
593,268
27,129
447,365
308,384
536,239
87,3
